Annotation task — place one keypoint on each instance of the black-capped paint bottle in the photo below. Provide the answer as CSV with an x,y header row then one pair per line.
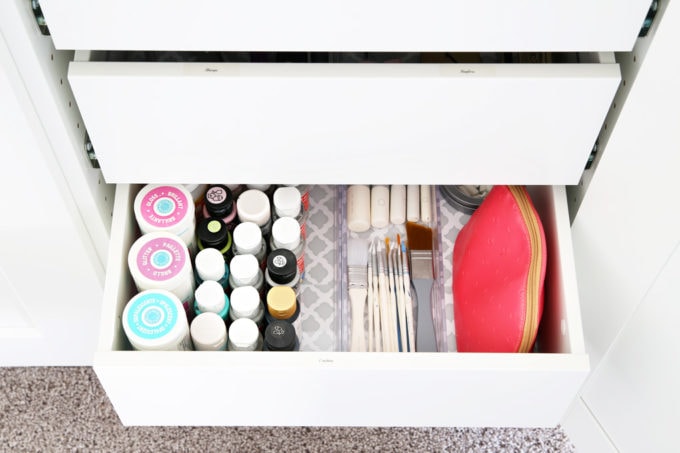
x,y
213,233
244,336
282,270
248,239
211,265
280,336
220,203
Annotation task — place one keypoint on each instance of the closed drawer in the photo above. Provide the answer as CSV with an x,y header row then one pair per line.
x,y
336,123
346,25
324,385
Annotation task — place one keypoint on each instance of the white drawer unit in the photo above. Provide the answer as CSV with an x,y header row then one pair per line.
x,y
346,25
468,123
332,387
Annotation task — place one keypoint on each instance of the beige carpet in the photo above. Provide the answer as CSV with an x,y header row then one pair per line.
x,y
65,409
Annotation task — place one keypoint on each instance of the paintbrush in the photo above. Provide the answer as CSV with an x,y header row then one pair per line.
x,y
401,299
377,331
371,295
410,323
357,260
422,274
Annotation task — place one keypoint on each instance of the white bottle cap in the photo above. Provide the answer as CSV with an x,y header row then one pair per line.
x,y
244,269
210,264
286,233
210,297
245,301
380,206
397,204
247,238
162,261
166,208
413,203
208,332
155,320
253,206
358,208
243,334
287,201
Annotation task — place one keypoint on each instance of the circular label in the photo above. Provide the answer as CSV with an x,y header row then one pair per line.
x,y
216,195
164,206
279,261
161,259
214,226
278,331
152,316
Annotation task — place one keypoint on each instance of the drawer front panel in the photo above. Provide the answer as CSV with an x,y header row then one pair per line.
x,y
346,25
342,388
339,123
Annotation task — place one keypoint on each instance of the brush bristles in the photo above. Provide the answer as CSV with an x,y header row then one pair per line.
x,y
419,236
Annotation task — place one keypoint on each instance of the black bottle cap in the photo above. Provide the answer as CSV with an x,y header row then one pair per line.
x,y
219,200
213,233
282,266
279,336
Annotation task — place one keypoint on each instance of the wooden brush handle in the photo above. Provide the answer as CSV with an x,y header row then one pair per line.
x,y
357,297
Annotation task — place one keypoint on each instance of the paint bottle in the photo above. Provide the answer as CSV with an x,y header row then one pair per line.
x,y
286,235
210,297
244,336
253,206
219,203
280,336
162,261
282,304
287,202
304,195
246,303
208,332
213,233
282,270
153,320
248,240
166,208
245,271
210,265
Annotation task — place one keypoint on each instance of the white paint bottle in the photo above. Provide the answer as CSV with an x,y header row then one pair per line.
x,y
153,320
162,261
169,209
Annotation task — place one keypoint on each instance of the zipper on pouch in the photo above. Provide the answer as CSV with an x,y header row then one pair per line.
x,y
534,275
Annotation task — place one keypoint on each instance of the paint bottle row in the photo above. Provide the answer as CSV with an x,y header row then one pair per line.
x,y
153,320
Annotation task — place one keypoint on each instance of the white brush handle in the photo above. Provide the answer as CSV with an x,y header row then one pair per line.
x,y
357,297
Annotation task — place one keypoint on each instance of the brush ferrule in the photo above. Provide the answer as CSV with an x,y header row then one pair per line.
x,y
357,276
421,264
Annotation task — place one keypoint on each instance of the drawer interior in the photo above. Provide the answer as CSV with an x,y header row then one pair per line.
x,y
495,123
323,324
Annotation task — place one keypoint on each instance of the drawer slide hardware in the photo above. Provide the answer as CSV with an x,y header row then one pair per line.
x,y
39,17
89,150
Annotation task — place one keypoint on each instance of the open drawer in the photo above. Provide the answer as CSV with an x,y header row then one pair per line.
x,y
473,123
337,25
325,386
